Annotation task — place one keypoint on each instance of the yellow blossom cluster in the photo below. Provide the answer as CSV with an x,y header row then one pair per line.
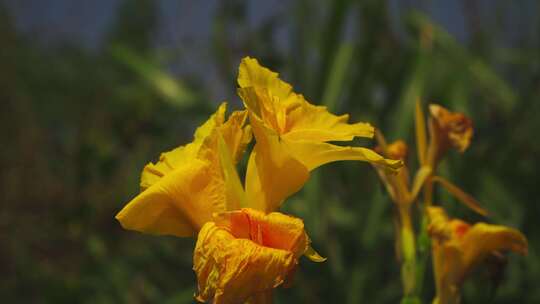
x,y
245,248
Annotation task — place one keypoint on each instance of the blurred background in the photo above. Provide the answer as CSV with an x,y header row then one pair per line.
x,y
90,91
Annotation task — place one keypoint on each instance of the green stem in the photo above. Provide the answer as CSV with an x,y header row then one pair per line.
x,y
408,250
424,245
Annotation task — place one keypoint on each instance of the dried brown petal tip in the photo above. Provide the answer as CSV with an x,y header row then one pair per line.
x,y
453,128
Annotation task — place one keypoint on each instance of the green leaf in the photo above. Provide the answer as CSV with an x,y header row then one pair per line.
x,y
174,91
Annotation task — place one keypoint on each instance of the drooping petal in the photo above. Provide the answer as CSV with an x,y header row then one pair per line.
x,y
230,270
315,123
313,154
174,205
482,239
458,247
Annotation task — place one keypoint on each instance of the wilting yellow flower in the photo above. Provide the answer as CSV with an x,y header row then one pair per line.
x,y
292,136
247,252
187,185
458,247
450,129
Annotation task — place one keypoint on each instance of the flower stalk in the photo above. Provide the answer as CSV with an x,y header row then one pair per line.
x,y
408,252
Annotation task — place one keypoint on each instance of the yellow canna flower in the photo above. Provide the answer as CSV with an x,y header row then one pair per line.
x,y
187,185
292,137
241,254
246,253
458,247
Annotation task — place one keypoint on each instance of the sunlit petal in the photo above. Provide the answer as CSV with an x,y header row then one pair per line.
x,y
316,123
167,206
190,183
314,154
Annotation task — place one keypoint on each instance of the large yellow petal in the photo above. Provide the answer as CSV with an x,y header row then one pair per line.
x,y
272,174
178,204
314,154
230,270
190,183
168,161
310,122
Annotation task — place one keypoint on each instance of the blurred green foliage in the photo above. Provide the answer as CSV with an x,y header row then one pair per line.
x,y
78,127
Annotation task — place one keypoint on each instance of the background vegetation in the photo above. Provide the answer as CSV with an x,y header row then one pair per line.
x,y
78,125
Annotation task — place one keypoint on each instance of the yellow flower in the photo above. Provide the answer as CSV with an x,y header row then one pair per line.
x,y
292,137
247,252
458,247
187,185
241,254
